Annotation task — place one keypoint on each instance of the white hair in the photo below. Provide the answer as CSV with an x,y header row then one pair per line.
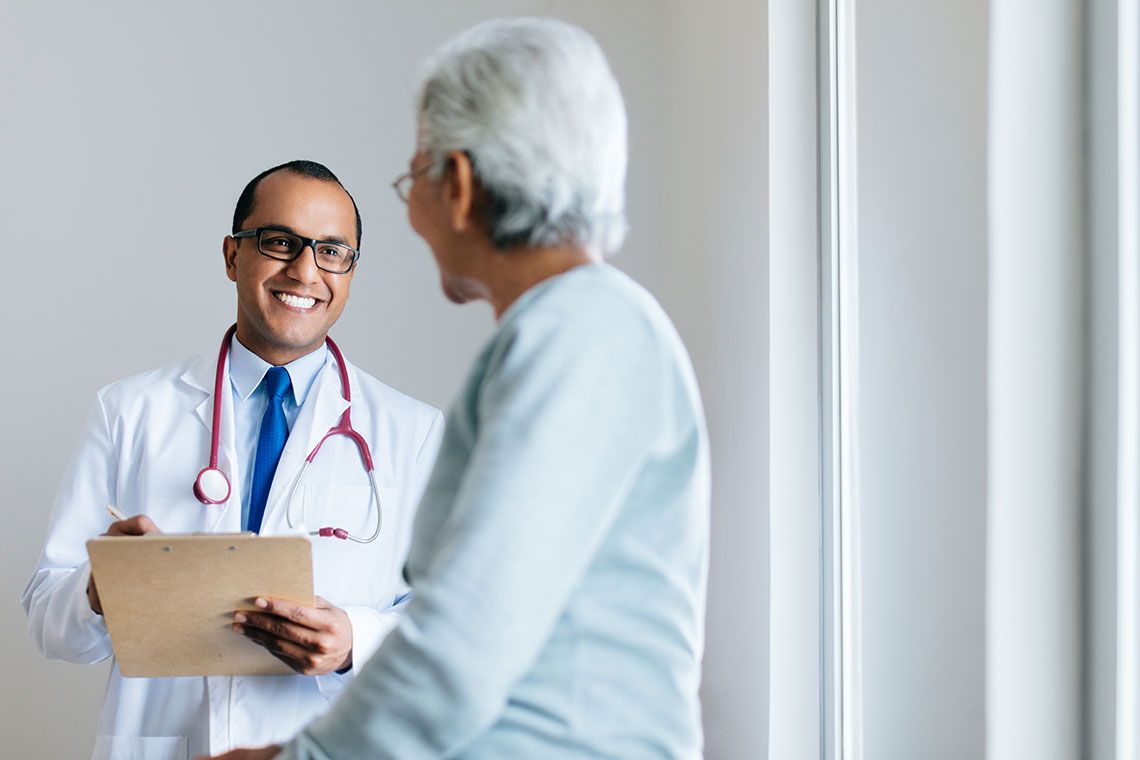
x,y
535,106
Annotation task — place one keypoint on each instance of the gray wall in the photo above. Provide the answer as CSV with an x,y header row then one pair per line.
x,y
717,257
923,279
129,129
1105,422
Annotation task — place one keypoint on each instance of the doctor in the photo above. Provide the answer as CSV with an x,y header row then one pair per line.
x,y
292,254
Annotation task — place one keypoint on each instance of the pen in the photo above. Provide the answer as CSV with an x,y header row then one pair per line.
x,y
113,512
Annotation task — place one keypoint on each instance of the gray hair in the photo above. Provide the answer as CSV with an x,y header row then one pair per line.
x,y
535,106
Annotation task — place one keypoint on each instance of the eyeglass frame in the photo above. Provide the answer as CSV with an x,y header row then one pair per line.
x,y
411,174
310,243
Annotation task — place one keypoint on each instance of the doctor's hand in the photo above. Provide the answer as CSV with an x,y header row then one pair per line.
x,y
139,525
311,640
264,753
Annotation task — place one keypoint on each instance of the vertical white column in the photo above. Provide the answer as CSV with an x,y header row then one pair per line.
x,y
1128,399
847,299
841,569
794,458
1035,355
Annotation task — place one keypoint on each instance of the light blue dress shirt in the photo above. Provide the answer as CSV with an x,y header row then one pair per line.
x,y
247,370
559,554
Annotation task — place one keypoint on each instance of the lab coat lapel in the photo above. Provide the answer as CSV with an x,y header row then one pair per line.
x,y
321,411
201,376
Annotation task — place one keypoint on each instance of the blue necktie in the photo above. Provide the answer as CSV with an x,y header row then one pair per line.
x,y
270,441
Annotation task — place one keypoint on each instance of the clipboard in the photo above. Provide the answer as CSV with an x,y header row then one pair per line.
x,y
169,600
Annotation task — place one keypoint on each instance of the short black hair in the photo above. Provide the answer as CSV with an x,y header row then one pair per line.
x,y
306,169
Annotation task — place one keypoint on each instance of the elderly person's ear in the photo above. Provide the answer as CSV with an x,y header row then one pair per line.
x,y
459,181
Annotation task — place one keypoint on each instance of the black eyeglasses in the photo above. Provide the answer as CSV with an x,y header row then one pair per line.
x,y
403,184
283,245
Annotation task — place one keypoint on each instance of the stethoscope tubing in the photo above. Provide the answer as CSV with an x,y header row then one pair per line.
x,y
212,486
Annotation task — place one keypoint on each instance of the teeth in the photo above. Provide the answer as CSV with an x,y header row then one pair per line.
x,y
300,303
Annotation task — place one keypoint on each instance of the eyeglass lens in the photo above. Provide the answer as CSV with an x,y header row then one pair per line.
x,y
284,246
403,185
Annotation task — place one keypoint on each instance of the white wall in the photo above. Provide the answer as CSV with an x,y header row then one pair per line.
x,y
129,130
923,276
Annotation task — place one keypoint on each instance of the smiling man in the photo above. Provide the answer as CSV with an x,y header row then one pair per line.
x,y
292,253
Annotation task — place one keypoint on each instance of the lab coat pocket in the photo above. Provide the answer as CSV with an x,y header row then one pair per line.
x,y
140,748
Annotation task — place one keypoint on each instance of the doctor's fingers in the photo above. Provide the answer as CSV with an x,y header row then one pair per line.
x,y
310,617
317,641
303,660
139,525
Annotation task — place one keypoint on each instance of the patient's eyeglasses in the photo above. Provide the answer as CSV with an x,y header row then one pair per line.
x,y
403,184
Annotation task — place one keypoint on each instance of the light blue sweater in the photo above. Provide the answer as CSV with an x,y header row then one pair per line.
x,y
559,554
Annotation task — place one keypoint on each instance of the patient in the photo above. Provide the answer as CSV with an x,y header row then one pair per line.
x,y
560,551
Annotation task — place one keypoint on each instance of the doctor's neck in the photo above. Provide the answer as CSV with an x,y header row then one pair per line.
x,y
275,352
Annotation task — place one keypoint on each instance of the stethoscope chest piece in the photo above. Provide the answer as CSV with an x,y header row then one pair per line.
x,y
212,486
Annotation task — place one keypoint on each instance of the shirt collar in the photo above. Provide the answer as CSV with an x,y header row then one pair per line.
x,y
247,370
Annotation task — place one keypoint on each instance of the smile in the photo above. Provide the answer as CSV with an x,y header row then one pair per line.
x,y
297,302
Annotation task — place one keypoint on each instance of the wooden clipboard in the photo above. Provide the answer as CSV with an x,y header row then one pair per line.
x,y
169,600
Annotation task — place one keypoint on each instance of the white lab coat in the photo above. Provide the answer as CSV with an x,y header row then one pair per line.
x,y
144,444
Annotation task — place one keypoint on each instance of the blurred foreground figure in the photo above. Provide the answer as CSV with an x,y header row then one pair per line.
x,y
559,555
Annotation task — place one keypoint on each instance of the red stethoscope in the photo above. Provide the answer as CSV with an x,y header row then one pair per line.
x,y
212,486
